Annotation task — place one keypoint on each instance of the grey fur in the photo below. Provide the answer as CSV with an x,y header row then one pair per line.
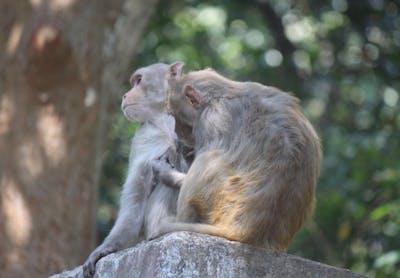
x,y
257,161
144,200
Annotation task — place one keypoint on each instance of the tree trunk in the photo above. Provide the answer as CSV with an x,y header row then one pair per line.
x,y
60,63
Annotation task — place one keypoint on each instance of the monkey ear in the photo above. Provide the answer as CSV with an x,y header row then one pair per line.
x,y
192,96
175,70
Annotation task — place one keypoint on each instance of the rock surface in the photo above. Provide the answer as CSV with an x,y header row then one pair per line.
x,y
186,254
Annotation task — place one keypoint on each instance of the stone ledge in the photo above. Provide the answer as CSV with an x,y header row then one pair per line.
x,y
186,254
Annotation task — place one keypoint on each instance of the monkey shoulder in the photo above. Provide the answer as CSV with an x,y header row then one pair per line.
x,y
272,99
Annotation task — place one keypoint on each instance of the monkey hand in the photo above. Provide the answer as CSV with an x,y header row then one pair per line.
x,y
89,266
166,173
161,168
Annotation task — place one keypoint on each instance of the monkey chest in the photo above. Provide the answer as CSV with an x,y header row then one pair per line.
x,y
149,145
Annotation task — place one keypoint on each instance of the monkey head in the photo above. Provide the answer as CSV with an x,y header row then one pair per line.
x,y
147,96
184,100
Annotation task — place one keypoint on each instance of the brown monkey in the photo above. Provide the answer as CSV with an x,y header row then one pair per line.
x,y
144,201
257,160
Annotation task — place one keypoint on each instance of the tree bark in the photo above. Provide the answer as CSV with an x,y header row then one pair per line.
x,y
61,61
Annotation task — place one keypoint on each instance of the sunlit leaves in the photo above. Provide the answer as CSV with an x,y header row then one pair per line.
x,y
273,57
300,29
390,97
391,210
387,262
343,231
331,20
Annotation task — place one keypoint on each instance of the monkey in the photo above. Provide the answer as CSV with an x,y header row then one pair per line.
x,y
144,201
257,160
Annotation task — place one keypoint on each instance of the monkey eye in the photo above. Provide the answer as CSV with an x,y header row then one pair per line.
x,y
136,79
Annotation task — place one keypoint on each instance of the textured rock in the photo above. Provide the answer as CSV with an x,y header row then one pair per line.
x,y
193,255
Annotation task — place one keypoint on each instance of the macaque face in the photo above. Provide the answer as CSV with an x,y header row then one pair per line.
x,y
146,98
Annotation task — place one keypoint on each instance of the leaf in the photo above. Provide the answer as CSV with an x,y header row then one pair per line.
x,y
343,231
388,259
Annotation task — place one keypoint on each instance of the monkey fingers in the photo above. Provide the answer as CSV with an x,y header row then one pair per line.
x,y
166,159
90,265
161,167
166,174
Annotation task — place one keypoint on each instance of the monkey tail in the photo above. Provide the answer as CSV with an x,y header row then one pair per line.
x,y
196,228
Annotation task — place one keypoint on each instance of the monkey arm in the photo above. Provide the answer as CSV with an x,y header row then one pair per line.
x,y
167,174
172,178
126,229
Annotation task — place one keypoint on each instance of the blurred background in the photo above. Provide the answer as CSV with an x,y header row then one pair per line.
x,y
63,157
342,59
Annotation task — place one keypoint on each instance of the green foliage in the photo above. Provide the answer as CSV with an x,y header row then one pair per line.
x,y
342,59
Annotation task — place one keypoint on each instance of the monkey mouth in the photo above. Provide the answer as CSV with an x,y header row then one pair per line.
x,y
127,105
130,115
